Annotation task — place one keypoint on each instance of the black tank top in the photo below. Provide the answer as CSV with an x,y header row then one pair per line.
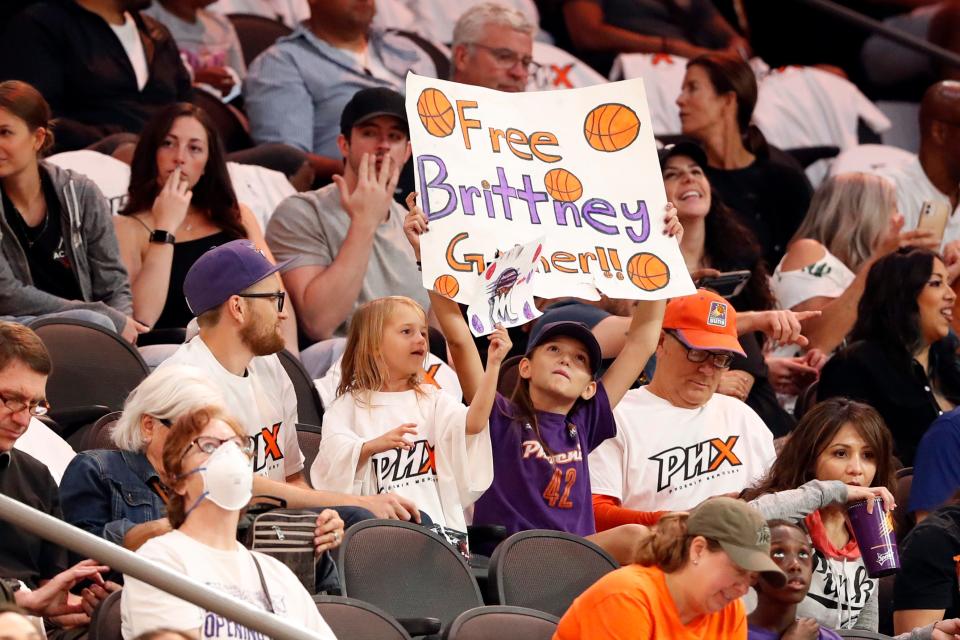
x,y
176,313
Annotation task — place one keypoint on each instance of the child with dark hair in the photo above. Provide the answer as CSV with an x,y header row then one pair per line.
x,y
776,612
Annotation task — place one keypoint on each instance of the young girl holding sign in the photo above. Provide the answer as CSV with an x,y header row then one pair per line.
x,y
439,456
557,414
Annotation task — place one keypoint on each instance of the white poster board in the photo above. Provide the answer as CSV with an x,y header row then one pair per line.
x,y
578,168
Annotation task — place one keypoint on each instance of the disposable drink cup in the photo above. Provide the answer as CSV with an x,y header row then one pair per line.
x,y
875,537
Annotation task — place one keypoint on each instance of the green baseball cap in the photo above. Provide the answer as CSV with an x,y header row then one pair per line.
x,y
742,533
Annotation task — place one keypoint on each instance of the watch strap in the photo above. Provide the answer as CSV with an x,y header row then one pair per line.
x,y
162,237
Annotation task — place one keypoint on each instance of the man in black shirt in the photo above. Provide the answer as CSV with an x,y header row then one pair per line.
x,y
33,568
103,67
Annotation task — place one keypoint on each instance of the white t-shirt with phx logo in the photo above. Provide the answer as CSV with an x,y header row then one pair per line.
x,y
666,458
443,472
263,401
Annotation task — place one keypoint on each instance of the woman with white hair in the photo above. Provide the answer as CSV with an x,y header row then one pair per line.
x,y
118,494
852,222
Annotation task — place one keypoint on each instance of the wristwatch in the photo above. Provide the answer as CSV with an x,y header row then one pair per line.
x,y
162,237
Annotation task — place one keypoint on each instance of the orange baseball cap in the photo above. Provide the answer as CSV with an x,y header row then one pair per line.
x,y
705,321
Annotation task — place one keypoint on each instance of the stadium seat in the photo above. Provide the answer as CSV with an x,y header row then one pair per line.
x,y
105,621
98,435
93,371
546,570
308,436
309,407
410,572
230,122
256,33
439,57
358,620
903,520
806,399
502,623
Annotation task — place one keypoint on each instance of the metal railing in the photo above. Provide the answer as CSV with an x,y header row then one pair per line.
x,y
875,26
130,564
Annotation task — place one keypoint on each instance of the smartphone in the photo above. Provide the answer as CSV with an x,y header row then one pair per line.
x,y
728,284
933,217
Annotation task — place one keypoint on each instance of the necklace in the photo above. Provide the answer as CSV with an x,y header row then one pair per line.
x,y
29,234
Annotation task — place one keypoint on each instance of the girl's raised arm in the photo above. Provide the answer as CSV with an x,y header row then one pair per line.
x,y
642,339
644,332
463,351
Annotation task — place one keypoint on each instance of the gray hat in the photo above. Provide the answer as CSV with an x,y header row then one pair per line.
x,y
742,533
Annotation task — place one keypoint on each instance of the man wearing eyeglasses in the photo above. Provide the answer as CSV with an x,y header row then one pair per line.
x,y
679,442
32,569
493,48
235,293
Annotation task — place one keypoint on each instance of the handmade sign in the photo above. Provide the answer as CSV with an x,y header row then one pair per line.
x,y
505,296
578,168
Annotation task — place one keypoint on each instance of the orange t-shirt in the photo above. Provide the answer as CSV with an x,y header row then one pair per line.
x,y
633,603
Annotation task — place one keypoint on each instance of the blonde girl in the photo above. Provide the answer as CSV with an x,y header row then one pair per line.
x,y
389,432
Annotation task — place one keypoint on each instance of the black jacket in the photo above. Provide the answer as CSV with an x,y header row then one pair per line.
x,y
75,60
899,391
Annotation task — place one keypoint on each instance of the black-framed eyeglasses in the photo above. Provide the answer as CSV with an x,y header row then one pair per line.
x,y
280,296
16,405
209,444
718,360
507,58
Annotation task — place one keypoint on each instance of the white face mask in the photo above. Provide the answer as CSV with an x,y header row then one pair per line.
x,y
227,478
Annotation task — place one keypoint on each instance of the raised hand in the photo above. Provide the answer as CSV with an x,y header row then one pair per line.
x,y
415,224
500,345
671,224
369,202
172,203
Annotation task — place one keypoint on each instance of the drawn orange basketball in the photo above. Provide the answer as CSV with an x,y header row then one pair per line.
x,y
446,285
436,113
563,185
611,127
648,272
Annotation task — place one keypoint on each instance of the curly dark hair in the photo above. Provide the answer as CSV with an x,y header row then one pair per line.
x,y
213,194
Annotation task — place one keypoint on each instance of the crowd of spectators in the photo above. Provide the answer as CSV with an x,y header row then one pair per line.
x,y
711,444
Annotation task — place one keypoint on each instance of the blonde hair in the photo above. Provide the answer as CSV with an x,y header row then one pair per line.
x,y
848,214
363,366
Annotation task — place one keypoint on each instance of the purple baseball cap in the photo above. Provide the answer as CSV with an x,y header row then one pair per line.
x,y
224,271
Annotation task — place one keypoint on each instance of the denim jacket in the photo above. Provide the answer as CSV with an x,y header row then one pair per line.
x,y
107,493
